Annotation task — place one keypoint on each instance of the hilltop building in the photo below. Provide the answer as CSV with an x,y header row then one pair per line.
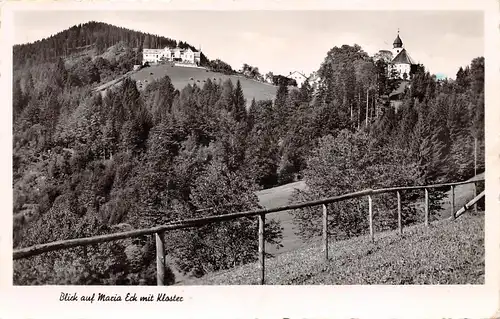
x,y
172,55
399,60
402,61
299,77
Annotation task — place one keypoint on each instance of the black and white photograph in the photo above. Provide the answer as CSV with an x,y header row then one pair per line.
x,y
335,147
157,151
255,147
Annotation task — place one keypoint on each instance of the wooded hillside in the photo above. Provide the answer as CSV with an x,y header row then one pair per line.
x,y
92,34
85,165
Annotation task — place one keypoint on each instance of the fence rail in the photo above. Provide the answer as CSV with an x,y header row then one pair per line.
x,y
159,231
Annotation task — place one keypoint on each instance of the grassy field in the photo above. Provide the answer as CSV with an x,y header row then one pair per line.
x,y
276,197
463,194
182,76
449,252
281,195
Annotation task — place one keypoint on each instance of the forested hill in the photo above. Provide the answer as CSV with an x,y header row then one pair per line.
x,y
96,34
87,165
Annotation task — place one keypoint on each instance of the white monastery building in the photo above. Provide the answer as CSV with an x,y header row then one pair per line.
x,y
402,61
299,77
171,55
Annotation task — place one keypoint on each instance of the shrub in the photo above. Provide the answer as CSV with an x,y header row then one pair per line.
x,y
223,245
347,163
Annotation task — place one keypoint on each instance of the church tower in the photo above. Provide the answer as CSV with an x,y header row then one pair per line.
x,y
397,46
401,61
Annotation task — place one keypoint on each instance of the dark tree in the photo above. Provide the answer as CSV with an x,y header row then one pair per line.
x,y
239,103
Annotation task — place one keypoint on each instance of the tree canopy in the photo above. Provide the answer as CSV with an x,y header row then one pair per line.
x,y
90,164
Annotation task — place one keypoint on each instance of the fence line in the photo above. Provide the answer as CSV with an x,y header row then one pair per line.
x,y
159,231
470,204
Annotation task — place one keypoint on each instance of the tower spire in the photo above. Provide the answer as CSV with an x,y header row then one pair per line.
x,y
397,42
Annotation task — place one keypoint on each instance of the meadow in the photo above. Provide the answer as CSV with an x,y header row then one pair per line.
x,y
182,76
281,195
449,252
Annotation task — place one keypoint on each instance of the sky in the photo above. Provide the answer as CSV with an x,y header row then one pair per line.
x,y
286,41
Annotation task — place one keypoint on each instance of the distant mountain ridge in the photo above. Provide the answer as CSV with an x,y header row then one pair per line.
x,y
82,36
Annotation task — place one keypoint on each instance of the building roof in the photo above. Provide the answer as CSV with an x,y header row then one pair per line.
x,y
180,49
299,73
403,58
397,42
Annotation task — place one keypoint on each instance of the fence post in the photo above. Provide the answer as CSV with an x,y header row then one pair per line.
x,y
426,207
325,231
370,213
452,201
160,259
475,194
475,171
262,220
400,224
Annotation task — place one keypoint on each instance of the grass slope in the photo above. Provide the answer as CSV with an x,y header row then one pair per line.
x,y
181,76
449,252
281,196
276,197
463,194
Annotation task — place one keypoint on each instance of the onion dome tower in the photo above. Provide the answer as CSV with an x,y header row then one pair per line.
x,y
397,45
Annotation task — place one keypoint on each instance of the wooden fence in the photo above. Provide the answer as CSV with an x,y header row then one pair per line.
x,y
159,231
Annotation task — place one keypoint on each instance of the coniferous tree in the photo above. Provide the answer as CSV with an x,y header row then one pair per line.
x,y
409,118
158,98
461,80
262,154
477,75
281,96
306,92
239,103
478,134
478,117
280,107
226,99
19,99
251,115
430,148
60,73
